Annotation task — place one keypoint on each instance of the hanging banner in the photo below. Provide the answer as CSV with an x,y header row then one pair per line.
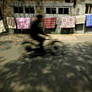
x,y
11,22
2,29
49,23
89,21
23,23
67,21
80,19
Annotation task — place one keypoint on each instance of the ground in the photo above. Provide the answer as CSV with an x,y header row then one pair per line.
x,y
65,66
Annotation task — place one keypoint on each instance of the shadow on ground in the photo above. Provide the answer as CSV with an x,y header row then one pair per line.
x,y
61,68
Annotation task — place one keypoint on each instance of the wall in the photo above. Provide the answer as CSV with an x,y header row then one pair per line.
x,y
79,9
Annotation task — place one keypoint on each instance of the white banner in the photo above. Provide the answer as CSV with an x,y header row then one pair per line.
x,y
80,19
2,29
67,21
11,22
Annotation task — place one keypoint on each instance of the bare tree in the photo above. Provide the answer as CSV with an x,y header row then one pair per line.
x,y
4,3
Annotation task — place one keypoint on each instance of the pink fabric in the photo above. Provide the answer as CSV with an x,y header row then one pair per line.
x,y
23,23
67,22
49,23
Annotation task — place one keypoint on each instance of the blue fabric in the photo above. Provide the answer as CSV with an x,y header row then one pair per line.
x,y
89,21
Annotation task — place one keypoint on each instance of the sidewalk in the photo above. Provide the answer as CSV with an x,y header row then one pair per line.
x,y
73,37
66,38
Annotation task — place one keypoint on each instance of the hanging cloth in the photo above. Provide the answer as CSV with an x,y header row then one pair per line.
x,y
67,22
11,22
49,23
23,23
89,21
2,28
80,19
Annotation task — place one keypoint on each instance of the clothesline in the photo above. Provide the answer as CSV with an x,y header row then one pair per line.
x,y
51,22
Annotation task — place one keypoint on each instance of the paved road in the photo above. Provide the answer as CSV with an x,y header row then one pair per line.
x,y
65,66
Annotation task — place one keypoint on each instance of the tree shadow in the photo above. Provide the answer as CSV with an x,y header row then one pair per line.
x,y
63,68
5,45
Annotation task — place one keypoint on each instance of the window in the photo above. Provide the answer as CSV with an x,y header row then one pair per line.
x,y
68,1
63,10
66,10
29,10
18,9
50,10
1,14
89,8
15,9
